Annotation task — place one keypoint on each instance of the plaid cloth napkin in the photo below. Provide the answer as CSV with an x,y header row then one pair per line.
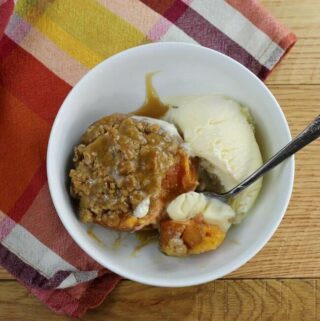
x,y
45,48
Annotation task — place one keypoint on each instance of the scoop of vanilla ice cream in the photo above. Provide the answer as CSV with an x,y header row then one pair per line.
x,y
218,213
214,212
186,206
219,131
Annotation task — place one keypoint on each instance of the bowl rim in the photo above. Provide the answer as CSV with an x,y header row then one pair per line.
x,y
89,249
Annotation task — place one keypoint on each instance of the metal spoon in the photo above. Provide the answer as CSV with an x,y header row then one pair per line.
x,y
308,135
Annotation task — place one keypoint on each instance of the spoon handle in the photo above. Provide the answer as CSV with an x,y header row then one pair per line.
x,y
308,135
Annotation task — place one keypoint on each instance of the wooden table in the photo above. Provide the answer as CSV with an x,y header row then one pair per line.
x,y
283,281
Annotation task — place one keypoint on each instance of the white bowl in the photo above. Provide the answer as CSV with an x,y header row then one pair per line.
x,y
118,85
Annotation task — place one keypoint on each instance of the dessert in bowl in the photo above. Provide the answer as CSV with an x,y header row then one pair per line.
x,y
192,75
127,169
137,172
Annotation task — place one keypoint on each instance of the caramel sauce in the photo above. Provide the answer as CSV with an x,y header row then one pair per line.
x,y
153,107
145,237
93,235
117,243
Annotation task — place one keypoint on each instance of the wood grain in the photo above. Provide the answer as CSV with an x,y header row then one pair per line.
x,y
229,300
255,291
4,275
301,65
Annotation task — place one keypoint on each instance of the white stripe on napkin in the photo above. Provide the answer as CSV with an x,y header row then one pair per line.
x,y
241,30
